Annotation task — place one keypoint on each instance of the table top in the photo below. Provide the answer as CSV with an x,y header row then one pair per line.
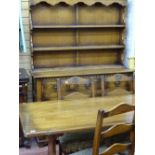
x,y
61,116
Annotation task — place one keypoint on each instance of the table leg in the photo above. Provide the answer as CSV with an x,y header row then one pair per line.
x,y
52,145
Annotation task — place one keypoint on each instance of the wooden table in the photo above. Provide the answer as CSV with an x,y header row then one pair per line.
x,y
54,117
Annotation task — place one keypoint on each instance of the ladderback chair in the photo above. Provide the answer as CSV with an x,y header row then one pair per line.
x,y
117,84
75,88
114,131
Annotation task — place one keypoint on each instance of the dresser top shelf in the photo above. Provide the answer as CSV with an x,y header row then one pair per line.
x,y
90,47
78,37
79,70
76,26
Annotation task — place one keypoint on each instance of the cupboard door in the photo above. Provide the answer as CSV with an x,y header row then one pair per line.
x,y
49,89
76,87
118,84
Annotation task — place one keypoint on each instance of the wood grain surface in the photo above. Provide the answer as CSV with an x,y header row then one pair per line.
x,y
79,70
53,117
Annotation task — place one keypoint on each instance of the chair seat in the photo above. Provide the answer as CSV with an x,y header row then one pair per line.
x,y
88,151
73,142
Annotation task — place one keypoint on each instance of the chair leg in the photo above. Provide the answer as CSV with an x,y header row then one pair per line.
x,y
60,150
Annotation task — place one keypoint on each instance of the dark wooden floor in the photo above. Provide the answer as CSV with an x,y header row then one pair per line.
x,y
34,150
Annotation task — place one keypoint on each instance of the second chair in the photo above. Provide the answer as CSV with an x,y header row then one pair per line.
x,y
75,88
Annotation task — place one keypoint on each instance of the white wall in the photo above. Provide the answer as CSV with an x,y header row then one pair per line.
x,y
25,58
130,50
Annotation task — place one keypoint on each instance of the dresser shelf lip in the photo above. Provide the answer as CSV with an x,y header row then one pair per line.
x,y
77,26
69,48
74,2
80,71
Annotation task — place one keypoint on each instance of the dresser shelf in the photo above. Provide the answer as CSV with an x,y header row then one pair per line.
x,y
76,26
70,48
79,70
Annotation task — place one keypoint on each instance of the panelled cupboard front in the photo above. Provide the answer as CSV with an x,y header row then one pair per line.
x,y
46,88
78,38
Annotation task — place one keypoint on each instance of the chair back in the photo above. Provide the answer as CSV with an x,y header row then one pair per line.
x,y
75,87
117,84
114,131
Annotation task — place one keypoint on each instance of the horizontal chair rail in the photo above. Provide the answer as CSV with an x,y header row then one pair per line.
x,y
115,148
117,129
